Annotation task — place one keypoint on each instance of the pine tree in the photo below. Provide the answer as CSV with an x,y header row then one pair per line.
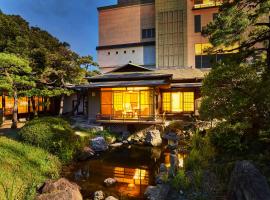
x,y
15,79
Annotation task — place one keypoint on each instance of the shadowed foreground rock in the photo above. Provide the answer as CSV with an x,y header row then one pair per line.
x,y
61,189
247,183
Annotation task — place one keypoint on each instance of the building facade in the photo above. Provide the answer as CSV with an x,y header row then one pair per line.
x,y
155,33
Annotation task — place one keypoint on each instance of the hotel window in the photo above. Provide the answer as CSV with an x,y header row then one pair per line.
x,y
205,60
197,23
215,15
177,102
148,33
206,3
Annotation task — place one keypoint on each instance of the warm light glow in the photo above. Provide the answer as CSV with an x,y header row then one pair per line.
x,y
206,3
201,49
178,101
129,103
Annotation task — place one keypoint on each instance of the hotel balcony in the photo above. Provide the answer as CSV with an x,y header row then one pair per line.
x,y
198,4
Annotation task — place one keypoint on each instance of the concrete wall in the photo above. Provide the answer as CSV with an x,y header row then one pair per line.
x,y
120,56
121,26
93,104
68,103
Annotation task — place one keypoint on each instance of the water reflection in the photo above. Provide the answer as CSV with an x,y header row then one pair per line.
x,y
134,169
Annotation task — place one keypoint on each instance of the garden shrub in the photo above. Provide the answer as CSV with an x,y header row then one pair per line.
x,y
229,138
180,181
53,134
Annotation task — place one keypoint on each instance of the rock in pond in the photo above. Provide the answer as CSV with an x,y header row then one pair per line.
x,y
117,144
99,195
109,182
111,198
158,192
60,189
153,138
99,144
86,154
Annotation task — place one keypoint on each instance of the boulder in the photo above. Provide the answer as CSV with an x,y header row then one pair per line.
x,y
60,189
109,182
117,144
99,144
125,135
99,195
158,192
247,183
111,198
137,138
153,138
86,154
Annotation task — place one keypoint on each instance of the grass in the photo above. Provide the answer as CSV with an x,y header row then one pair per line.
x,y
24,167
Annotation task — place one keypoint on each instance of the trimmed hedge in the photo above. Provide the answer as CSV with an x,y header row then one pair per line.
x,y
53,134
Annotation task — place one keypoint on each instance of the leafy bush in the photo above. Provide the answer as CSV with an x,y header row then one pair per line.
x,y
228,138
53,134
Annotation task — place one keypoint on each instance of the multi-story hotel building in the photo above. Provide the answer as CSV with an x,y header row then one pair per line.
x,y
155,33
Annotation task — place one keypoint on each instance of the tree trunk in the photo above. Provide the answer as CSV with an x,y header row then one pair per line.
x,y
15,111
33,102
61,105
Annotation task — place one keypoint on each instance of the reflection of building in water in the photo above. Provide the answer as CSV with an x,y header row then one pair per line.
x,y
181,158
132,180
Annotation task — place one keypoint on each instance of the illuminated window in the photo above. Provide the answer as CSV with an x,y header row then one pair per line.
x,y
178,102
9,103
106,103
1,100
130,102
23,105
188,101
166,101
206,3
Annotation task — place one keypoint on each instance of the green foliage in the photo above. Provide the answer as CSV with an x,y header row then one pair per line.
x,y
181,181
23,168
52,134
14,74
244,21
200,154
228,138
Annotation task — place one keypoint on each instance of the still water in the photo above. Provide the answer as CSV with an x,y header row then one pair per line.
x,y
133,167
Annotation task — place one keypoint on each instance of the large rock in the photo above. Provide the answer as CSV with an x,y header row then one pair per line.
x,y
61,189
109,182
153,138
86,154
99,195
158,192
99,144
111,198
247,183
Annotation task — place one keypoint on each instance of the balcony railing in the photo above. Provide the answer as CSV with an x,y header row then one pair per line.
x,y
206,3
127,119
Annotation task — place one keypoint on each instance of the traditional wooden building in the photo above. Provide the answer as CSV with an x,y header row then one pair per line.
x,y
133,94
